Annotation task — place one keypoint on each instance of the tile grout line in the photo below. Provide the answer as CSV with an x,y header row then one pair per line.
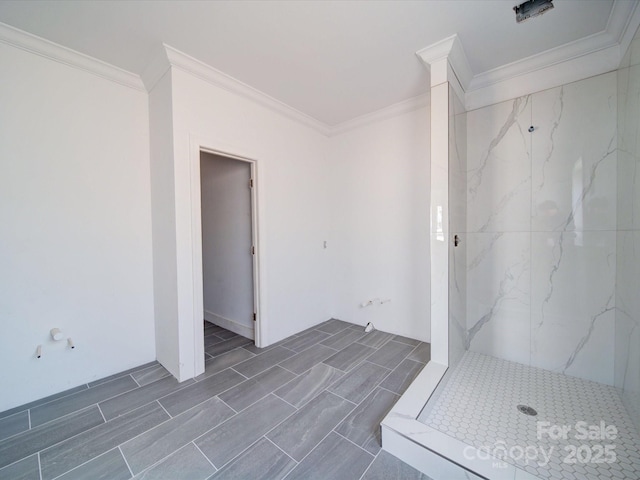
x,y
88,406
275,445
101,414
228,462
83,463
231,368
314,447
60,441
165,410
386,376
272,392
39,466
339,396
279,397
369,466
235,412
387,390
351,441
290,371
125,461
193,442
136,381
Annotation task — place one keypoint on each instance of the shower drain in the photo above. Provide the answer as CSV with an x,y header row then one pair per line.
x,y
527,410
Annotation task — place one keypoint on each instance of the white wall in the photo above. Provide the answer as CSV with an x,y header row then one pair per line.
x,y
380,223
165,281
227,262
292,199
75,227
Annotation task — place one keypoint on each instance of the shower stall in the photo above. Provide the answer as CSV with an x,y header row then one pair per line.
x,y
536,269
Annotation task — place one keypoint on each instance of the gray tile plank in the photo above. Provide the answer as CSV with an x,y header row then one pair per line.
x,y
187,463
386,467
257,351
400,379
212,327
224,361
39,438
263,461
227,345
343,339
306,386
155,444
349,357
333,326
376,339
252,390
333,459
359,382
90,444
26,469
16,423
110,466
232,437
422,353
305,340
150,375
210,340
140,396
306,359
264,361
190,396
78,401
409,341
42,401
227,334
302,431
362,426
391,354
123,374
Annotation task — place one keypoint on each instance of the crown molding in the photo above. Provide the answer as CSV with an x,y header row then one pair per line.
x,y
173,58
47,49
627,22
405,106
589,56
451,49
157,67
596,63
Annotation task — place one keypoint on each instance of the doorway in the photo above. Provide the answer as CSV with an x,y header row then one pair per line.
x,y
228,242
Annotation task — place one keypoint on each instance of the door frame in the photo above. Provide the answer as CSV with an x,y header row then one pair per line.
x,y
198,145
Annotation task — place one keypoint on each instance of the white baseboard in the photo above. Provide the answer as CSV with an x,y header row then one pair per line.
x,y
230,325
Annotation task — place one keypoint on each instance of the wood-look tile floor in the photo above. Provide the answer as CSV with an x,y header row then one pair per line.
x,y
308,407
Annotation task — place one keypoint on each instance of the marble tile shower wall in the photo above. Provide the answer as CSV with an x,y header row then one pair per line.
x,y
541,229
627,339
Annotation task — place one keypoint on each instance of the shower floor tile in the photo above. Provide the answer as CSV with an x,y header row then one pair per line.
x,y
478,406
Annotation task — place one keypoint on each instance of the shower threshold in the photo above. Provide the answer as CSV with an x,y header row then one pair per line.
x,y
470,426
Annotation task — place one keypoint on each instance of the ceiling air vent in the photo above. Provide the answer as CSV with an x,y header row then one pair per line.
x,y
531,8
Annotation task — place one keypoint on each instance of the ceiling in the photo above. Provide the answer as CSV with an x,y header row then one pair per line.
x,y
332,60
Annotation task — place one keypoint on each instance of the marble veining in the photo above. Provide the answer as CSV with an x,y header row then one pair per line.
x,y
541,212
518,107
583,341
552,134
